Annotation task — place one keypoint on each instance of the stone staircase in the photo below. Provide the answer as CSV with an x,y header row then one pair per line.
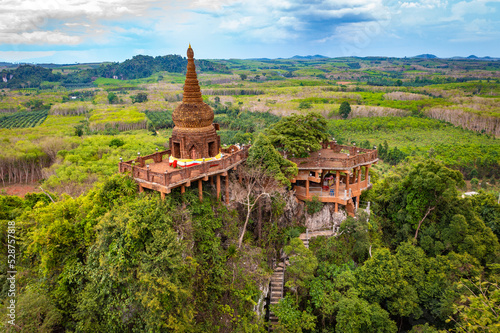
x,y
276,290
306,236
277,279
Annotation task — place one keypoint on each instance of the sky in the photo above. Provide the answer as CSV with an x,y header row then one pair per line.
x,y
79,31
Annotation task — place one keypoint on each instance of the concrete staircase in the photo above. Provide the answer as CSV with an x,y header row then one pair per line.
x,y
276,290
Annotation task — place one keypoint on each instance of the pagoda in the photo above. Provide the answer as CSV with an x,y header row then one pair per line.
x,y
194,138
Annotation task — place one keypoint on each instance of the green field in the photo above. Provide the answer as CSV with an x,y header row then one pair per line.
x,y
23,119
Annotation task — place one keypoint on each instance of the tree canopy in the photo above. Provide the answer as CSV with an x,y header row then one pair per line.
x,y
298,134
264,156
345,109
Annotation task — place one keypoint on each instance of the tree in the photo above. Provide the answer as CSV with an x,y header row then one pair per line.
x,y
305,105
303,263
299,134
243,77
345,109
263,155
291,318
478,308
255,185
139,98
112,98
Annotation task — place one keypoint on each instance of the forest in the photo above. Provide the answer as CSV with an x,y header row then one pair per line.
x,y
94,255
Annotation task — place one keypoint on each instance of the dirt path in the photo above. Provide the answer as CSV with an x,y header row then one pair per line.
x,y
19,190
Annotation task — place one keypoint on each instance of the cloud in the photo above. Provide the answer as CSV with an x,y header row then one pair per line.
x,y
284,20
26,56
39,37
32,22
427,4
464,8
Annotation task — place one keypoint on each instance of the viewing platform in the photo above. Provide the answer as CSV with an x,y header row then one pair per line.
x,y
335,174
154,171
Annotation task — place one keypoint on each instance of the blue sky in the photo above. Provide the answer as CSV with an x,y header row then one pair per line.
x,y
69,31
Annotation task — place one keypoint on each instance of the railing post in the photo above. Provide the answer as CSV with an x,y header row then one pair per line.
x,y
345,194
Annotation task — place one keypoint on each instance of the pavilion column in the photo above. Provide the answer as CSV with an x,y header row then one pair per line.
x,y
337,181
218,186
347,174
227,189
200,189
359,178
307,188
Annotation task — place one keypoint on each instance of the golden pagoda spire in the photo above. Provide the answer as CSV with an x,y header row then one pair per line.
x,y
192,91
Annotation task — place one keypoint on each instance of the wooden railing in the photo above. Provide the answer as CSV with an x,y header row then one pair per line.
x,y
356,156
181,175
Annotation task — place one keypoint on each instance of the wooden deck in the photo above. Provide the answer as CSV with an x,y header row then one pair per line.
x,y
341,197
160,176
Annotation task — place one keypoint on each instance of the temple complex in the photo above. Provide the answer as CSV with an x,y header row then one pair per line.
x,y
195,153
335,174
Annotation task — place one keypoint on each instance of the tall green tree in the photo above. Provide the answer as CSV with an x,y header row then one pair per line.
x,y
264,156
298,134
345,109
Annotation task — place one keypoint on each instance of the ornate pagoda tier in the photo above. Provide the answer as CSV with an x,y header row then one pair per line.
x,y
194,135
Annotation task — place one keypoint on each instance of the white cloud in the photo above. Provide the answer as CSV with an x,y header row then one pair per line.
x,y
39,37
32,21
24,56
463,8
426,4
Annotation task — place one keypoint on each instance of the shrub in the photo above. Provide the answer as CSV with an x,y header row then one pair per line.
x,y
313,206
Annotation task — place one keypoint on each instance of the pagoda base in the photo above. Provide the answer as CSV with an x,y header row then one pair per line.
x,y
183,163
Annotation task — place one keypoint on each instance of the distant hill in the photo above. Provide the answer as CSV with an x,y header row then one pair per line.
x,y
309,57
426,56
138,67
474,57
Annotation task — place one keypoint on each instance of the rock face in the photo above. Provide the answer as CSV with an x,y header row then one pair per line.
x,y
326,218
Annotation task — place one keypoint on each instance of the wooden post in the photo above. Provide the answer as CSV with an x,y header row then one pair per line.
x,y
347,174
218,187
336,207
307,188
212,180
162,195
367,170
337,181
141,189
200,189
359,178
183,189
227,189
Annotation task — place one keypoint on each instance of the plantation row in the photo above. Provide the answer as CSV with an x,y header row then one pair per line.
x,y
23,119
160,119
